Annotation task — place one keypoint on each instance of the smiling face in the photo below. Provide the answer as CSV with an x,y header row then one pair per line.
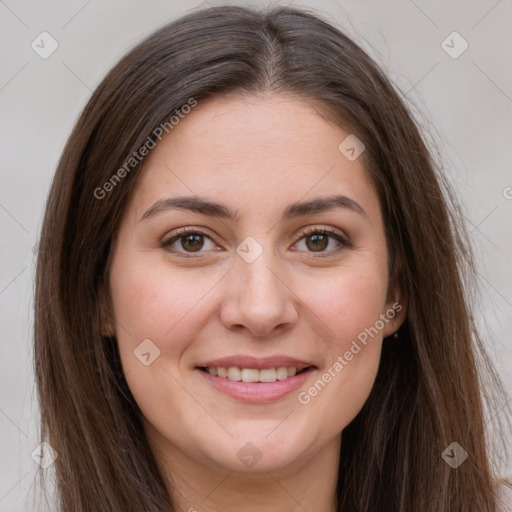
x,y
253,284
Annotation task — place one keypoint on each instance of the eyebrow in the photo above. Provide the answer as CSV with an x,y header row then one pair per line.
x,y
204,206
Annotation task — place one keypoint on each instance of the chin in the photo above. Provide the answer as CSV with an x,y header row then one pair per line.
x,y
254,454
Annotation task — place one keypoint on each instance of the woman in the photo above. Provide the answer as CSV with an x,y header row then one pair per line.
x,y
249,288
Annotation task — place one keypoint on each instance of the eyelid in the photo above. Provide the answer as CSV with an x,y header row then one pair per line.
x,y
342,239
180,232
188,230
322,229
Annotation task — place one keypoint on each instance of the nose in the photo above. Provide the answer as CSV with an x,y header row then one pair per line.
x,y
258,299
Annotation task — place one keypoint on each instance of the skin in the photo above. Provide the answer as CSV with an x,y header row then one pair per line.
x,y
256,155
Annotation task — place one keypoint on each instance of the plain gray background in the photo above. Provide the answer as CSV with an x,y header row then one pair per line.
x,y
466,102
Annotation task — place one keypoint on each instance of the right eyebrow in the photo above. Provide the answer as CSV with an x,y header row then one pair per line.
x,y
194,204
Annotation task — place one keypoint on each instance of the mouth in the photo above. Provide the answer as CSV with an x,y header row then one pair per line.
x,y
237,374
255,380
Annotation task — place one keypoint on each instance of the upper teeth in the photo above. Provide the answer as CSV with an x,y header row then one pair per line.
x,y
253,375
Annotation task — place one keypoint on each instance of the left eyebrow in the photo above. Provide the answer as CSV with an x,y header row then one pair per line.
x,y
323,204
204,206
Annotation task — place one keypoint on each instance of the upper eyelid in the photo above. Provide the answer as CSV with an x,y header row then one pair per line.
x,y
186,231
303,232
204,231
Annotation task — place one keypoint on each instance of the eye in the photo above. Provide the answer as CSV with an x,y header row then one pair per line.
x,y
318,240
188,240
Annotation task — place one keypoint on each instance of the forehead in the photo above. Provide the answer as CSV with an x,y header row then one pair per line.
x,y
253,153
248,128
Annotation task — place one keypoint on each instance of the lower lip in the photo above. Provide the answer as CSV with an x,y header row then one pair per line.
x,y
257,392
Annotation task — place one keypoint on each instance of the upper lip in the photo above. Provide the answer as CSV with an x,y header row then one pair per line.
x,y
257,363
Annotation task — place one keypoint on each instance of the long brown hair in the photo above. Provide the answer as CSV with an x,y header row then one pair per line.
x,y
428,392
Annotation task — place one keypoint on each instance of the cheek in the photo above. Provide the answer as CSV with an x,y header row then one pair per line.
x,y
170,307
349,306
349,302
152,302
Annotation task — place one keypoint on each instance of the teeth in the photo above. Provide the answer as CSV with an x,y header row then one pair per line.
x,y
268,375
282,373
249,375
234,373
253,375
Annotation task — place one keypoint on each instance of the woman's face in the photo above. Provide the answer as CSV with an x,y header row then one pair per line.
x,y
255,289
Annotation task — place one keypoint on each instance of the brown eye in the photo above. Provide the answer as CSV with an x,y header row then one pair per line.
x,y
323,242
192,242
188,241
317,242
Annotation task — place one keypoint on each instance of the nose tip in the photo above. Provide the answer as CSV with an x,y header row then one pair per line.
x,y
258,300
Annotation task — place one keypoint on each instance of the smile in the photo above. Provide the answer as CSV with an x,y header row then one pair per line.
x,y
252,374
256,380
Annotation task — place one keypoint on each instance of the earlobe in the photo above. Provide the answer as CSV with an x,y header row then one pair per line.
x,y
395,313
107,331
105,315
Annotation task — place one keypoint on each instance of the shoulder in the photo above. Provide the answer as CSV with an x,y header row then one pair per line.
x,y
504,492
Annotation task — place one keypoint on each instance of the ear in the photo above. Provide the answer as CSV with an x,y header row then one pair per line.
x,y
395,310
105,314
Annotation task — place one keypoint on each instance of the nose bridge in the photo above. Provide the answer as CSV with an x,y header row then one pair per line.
x,y
259,278
259,300
255,260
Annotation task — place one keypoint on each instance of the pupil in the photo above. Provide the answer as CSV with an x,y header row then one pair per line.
x,y
319,241
195,245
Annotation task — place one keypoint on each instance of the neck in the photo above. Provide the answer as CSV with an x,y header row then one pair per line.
x,y
309,484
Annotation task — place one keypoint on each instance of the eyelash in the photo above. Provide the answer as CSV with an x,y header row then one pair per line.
x,y
182,232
